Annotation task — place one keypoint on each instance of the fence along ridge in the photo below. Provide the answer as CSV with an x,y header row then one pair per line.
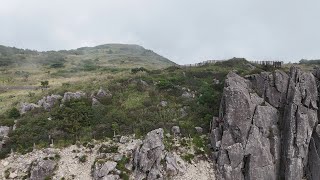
x,y
276,64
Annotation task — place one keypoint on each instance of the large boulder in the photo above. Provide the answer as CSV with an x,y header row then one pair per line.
x,y
147,157
42,169
102,169
246,137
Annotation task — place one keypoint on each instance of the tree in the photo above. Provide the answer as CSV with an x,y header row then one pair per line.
x,y
115,128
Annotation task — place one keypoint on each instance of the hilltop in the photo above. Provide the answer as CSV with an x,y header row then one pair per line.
x,y
107,55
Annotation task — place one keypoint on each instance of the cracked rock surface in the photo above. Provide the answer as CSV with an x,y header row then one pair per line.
x,y
268,127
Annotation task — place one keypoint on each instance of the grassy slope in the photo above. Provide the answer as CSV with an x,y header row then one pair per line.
x,y
21,71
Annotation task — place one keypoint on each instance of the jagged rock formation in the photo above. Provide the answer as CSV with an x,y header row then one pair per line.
x,y
174,164
102,170
265,126
147,157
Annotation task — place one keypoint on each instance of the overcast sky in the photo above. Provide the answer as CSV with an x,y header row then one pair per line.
x,y
185,31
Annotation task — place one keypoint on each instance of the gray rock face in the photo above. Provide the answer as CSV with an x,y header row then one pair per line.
x,y
41,169
102,169
4,131
147,158
48,102
25,107
70,95
174,165
246,136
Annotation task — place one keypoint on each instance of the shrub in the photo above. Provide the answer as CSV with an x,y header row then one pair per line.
x,y
140,69
164,84
188,157
83,158
108,149
14,113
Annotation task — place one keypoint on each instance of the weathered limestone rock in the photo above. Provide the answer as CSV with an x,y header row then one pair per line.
x,y
247,137
175,130
70,95
102,169
314,155
48,102
174,165
25,107
41,169
147,158
4,131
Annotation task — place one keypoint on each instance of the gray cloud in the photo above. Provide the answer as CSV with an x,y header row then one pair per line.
x,y
185,31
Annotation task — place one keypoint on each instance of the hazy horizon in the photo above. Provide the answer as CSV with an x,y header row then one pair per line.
x,y
182,31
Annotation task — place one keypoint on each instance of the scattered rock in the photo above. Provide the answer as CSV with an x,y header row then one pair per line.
x,y
199,130
164,103
124,139
184,112
102,94
4,131
175,130
95,102
187,95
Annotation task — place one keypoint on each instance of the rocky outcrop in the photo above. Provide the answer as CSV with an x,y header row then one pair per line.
x,y
42,169
48,102
265,126
174,165
25,107
72,95
101,170
4,131
147,158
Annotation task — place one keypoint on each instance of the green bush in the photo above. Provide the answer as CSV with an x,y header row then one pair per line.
x,y
83,158
14,113
164,84
188,157
140,69
108,149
